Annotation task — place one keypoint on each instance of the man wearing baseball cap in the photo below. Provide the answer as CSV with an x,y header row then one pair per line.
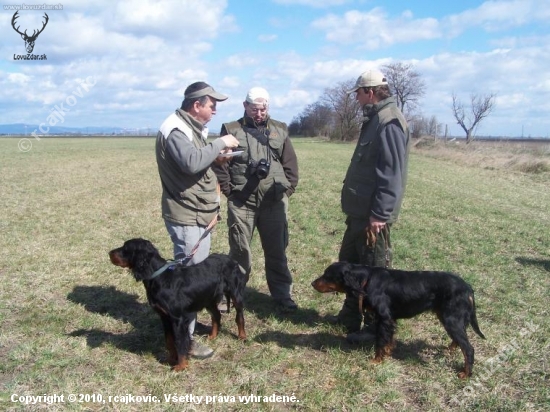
x,y
190,196
373,187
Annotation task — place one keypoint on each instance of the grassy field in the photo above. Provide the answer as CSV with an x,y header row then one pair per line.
x,y
71,323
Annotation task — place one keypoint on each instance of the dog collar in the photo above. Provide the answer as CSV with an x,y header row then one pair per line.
x,y
163,268
169,265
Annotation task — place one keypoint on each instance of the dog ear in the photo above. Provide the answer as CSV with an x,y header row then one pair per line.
x,y
142,254
363,275
355,279
141,268
348,276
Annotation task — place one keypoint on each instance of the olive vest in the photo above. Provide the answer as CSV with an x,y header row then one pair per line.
x,y
186,199
244,182
360,185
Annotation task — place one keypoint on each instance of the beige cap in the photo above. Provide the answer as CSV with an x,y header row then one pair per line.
x,y
371,78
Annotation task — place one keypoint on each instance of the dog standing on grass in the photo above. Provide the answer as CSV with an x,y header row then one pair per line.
x,y
176,292
395,294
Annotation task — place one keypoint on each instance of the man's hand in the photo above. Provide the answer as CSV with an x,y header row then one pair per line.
x,y
376,225
230,141
220,160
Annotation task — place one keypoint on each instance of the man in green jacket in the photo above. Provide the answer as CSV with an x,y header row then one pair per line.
x,y
374,185
258,184
190,196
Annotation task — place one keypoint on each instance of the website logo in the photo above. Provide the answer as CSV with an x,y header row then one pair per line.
x,y
29,40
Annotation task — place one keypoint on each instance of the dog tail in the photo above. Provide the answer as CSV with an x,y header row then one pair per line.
x,y
473,318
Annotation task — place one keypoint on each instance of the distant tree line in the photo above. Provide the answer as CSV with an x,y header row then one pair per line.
x,y
338,116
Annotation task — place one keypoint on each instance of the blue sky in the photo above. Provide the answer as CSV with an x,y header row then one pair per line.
x,y
127,63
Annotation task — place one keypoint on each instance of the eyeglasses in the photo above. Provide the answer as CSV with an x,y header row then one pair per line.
x,y
366,90
256,110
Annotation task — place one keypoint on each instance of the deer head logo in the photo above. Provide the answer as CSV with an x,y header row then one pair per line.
x,y
29,40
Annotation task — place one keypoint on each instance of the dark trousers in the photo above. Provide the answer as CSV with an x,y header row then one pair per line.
x,y
271,222
354,249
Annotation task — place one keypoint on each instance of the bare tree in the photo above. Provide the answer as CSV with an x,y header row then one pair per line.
x,y
406,84
340,115
347,112
480,108
421,126
315,120
434,128
417,126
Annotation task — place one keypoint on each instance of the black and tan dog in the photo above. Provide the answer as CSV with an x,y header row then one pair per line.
x,y
395,294
177,292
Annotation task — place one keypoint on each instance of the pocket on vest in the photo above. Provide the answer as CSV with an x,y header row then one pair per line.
x,y
356,199
273,192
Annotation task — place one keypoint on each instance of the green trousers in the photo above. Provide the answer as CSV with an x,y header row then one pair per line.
x,y
354,250
243,218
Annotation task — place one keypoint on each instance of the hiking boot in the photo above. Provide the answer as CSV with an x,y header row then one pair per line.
x,y
367,334
286,305
332,319
199,350
350,325
202,329
223,306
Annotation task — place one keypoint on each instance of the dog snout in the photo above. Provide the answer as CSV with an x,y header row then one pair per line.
x,y
317,284
116,258
113,257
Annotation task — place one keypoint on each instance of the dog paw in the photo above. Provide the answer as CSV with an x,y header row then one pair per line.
x,y
463,375
376,361
179,367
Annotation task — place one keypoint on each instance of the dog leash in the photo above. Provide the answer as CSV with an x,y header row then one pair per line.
x,y
362,297
386,246
171,263
370,243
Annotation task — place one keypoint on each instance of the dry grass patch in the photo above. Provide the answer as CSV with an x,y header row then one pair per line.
x,y
71,322
526,157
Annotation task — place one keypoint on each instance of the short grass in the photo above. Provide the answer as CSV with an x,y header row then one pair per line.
x,y
72,323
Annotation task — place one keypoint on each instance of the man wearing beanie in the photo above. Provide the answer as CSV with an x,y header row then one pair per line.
x,y
258,184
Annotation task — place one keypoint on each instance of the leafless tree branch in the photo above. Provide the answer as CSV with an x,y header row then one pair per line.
x,y
480,108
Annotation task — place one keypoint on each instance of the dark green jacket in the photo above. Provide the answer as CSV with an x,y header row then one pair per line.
x,y
377,174
270,142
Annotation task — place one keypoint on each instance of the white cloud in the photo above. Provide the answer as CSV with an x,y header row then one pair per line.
x,y
17,78
497,16
174,20
266,38
312,3
143,54
241,60
517,76
230,81
373,29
